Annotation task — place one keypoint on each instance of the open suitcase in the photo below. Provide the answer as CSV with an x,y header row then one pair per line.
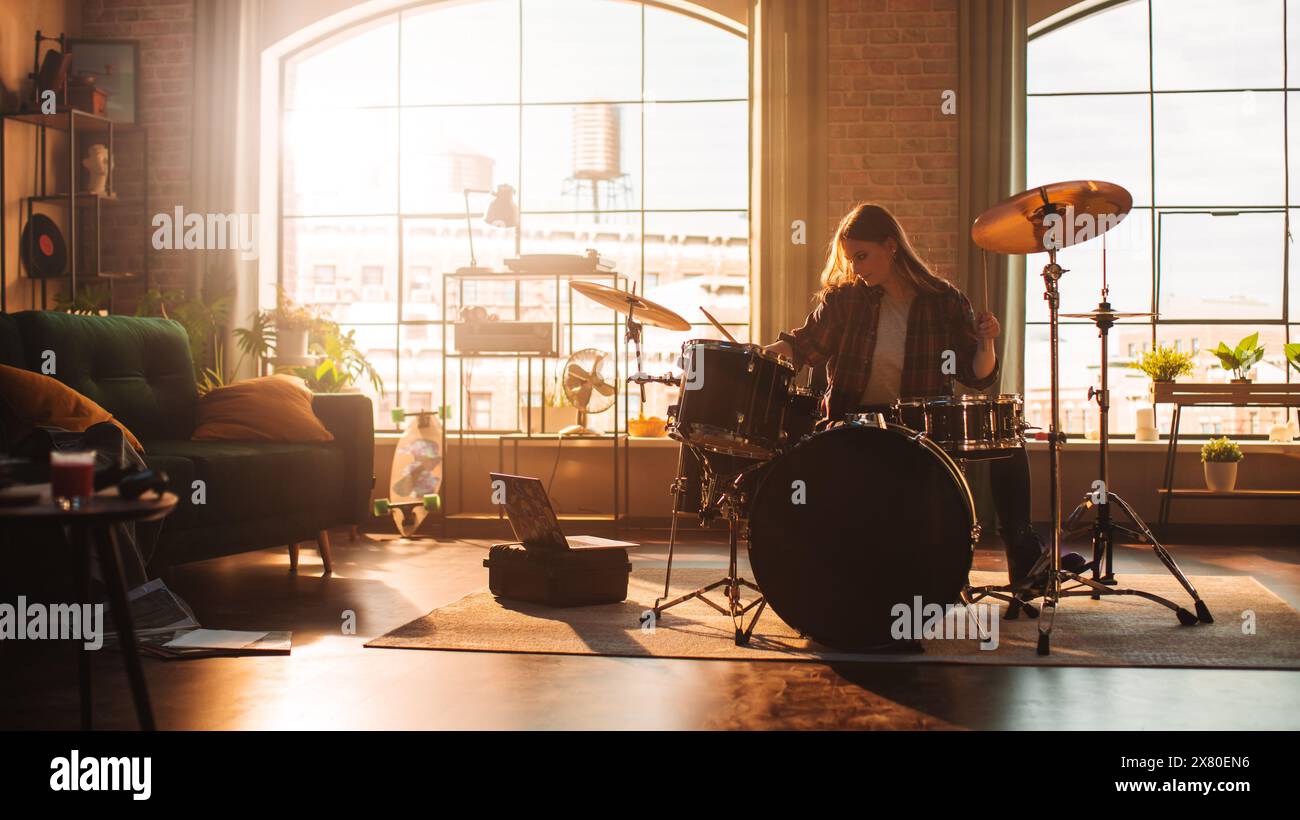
x,y
578,577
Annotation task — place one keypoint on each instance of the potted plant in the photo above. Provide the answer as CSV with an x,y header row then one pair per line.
x,y
1164,364
1220,457
340,363
293,324
1242,358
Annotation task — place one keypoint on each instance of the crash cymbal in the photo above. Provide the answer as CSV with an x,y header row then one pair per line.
x,y
1020,225
625,302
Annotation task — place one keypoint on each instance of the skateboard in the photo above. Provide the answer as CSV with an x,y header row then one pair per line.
x,y
416,477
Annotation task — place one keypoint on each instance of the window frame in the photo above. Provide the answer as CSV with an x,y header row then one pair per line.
x,y
1289,324
398,10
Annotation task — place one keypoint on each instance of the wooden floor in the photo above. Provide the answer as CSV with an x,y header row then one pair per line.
x,y
331,682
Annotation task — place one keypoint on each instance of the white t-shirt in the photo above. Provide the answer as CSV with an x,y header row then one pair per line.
x,y
886,380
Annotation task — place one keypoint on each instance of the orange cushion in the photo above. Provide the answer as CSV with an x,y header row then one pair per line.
x,y
37,400
269,408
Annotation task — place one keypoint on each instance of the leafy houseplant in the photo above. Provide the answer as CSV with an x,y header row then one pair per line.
x,y
204,322
341,365
1292,353
1241,359
1220,457
1164,364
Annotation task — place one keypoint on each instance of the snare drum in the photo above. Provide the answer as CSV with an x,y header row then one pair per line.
x,y
734,399
966,424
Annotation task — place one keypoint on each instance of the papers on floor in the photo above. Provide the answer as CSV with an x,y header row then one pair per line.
x,y
578,542
166,627
215,639
155,610
216,643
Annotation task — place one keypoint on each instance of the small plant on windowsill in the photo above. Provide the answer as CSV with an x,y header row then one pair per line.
x,y
1220,457
1242,358
1165,364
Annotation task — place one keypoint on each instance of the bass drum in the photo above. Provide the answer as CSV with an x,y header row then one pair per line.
x,y
881,516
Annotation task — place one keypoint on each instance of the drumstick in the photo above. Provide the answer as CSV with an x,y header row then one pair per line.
x,y
718,325
986,280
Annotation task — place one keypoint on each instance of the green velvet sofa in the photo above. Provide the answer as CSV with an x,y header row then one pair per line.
x,y
258,494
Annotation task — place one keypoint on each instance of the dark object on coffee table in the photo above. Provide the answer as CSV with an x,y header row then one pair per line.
x,y
137,484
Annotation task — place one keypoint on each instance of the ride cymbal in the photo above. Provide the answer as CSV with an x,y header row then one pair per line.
x,y
625,302
1024,223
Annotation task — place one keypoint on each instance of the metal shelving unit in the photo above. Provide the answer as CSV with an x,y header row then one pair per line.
x,y
563,338
73,123
1217,395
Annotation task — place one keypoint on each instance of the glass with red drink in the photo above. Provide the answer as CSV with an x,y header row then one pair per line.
x,y
72,477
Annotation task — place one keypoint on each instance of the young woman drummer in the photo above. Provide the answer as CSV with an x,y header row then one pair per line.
x,y
887,328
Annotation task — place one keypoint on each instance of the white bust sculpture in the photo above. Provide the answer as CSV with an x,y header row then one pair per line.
x,y
96,164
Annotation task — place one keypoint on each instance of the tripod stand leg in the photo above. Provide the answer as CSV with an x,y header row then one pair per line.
x,y
677,489
1166,558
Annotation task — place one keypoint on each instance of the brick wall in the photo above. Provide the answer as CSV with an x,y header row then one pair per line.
x,y
165,30
889,141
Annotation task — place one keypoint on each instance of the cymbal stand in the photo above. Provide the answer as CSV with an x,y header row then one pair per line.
x,y
633,336
1053,591
721,493
1100,499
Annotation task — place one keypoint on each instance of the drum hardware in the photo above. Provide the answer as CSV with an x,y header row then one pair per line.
x,y
629,304
730,501
646,378
1104,526
1028,223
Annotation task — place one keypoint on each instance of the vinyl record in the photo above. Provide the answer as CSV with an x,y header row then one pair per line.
x,y
42,249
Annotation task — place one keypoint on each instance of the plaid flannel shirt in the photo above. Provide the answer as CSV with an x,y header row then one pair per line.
x,y
841,332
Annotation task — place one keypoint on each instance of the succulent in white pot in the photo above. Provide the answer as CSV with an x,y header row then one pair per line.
x,y
1220,457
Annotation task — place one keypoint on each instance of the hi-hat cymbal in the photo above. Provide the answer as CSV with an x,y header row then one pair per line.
x,y
1020,225
646,312
1094,315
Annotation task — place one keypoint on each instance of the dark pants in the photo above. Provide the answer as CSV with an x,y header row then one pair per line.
x,y
1009,481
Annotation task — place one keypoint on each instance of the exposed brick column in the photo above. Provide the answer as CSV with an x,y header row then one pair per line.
x,y
165,30
890,142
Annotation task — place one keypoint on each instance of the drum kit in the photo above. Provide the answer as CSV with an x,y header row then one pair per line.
x,y
845,522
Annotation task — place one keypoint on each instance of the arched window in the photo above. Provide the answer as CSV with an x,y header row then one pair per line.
x,y
622,125
1186,103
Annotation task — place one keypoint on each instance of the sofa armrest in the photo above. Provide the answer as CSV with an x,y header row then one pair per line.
x,y
350,418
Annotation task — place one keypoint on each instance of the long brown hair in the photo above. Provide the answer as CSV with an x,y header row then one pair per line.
x,y
870,222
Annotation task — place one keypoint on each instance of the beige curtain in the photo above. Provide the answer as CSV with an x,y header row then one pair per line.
x,y
993,38
788,165
227,84
992,46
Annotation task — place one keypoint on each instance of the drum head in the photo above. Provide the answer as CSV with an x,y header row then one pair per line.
x,y
883,518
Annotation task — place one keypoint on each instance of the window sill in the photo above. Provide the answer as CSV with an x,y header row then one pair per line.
x,y
1162,446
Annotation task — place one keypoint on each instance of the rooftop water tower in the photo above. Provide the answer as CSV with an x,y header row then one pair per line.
x,y
597,159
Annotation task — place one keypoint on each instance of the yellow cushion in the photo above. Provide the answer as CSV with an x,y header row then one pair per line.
x,y
269,408
36,400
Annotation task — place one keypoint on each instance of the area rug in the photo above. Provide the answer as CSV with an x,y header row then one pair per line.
x,y
1253,629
